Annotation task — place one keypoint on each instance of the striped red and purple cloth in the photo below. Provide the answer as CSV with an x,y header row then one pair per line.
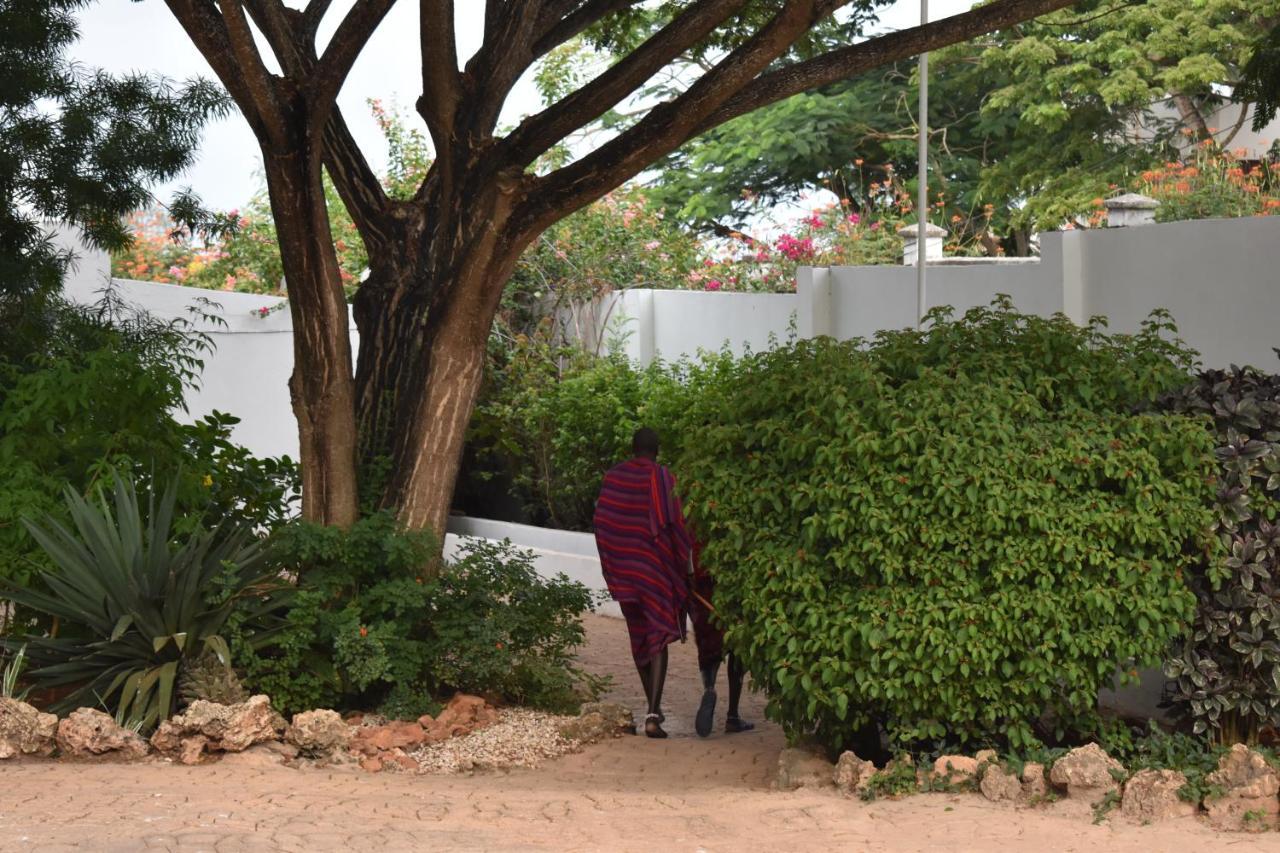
x,y
644,553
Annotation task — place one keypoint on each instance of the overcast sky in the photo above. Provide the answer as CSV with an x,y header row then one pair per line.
x,y
123,35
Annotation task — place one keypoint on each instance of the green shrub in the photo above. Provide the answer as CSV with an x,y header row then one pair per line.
x,y
136,602
378,622
949,533
97,396
561,418
558,419
500,628
1156,749
358,621
1227,671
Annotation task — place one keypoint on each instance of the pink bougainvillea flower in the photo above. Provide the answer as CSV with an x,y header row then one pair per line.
x,y
713,284
853,218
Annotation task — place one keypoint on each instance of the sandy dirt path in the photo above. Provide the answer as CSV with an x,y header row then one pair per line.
x,y
633,794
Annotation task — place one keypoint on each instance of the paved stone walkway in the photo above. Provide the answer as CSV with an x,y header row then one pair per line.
x,y
682,794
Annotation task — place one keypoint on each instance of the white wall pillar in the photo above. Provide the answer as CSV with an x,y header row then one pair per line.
x,y
934,236
1131,209
1073,289
1062,259
813,292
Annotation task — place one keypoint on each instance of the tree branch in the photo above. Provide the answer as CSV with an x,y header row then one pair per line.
x,y
312,15
272,18
849,61
341,53
359,187
541,132
205,27
441,82
259,81
506,54
560,21
668,124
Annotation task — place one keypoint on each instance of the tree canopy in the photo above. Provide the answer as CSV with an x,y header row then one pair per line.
x,y
440,259
81,148
1036,120
1261,79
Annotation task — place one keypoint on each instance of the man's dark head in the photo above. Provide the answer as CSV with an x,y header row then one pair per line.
x,y
645,443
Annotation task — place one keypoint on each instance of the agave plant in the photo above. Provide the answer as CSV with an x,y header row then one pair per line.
x,y
134,604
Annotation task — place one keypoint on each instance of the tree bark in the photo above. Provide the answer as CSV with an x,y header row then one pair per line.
x,y
1191,116
424,319
321,386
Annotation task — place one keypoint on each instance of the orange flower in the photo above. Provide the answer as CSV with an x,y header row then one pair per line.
x,y
1182,187
498,646
364,632
858,162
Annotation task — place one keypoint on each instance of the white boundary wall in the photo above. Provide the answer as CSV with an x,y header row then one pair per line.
x,y
1219,278
247,374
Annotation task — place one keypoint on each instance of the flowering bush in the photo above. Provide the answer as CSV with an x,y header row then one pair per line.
x,y
834,234
1213,184
617,242
828,236
246,260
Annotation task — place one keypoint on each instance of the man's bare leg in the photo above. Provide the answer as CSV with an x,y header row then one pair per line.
x,y
737,672
657,677
707,708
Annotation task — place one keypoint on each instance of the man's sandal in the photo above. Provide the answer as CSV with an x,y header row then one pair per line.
x,y
733,725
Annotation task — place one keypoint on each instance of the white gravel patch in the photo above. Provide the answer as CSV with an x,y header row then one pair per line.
x,y
520,738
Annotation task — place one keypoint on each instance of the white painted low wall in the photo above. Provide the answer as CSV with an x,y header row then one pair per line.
x,y
1219,278
555,551
247,373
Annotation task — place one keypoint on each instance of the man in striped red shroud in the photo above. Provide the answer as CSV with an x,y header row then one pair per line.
x,y
645,554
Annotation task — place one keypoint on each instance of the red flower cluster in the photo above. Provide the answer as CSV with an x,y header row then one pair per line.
x,y
796,249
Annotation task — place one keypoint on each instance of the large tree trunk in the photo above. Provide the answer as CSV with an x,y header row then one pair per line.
x,y
424,321
321,386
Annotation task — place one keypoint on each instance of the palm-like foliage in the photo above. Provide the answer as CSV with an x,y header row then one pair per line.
x,y
133,603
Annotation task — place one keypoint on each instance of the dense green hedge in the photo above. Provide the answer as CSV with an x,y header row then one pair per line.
x,y
949,534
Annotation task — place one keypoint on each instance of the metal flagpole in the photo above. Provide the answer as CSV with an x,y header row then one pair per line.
x,y
922,177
